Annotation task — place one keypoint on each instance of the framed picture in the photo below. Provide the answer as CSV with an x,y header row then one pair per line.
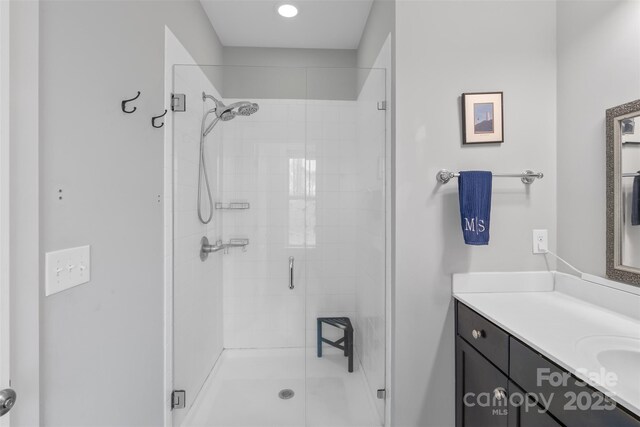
x,y
482,118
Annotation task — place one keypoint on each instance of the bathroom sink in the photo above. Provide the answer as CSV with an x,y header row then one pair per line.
x,y
625,363
612,361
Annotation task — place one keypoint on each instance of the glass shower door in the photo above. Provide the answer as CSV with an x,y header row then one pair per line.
x,y
346,213
297,233
197,285
239,315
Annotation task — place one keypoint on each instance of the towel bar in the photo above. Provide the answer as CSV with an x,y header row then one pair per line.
x,y
527,177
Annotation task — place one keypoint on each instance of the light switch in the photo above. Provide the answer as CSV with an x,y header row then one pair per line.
x,y
67,268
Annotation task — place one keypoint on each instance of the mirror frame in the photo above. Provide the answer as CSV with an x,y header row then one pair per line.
x,y
615,269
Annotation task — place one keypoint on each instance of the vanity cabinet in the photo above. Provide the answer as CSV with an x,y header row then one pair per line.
x,y
498,384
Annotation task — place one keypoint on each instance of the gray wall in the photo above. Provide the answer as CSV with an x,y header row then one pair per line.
x,y
443,49
598,68
275,73
24,212
280,57
380,23
102,343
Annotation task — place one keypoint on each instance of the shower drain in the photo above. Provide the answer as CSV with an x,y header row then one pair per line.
x,y
286,394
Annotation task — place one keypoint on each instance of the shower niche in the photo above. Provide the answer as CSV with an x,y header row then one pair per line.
x,y
302,176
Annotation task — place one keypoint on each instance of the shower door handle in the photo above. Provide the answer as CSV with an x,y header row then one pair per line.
x,y
291,285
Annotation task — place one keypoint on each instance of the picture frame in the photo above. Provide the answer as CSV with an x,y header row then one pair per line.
x,y
482,118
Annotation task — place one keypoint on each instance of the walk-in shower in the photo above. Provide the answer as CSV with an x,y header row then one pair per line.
x,y
224,113
304,179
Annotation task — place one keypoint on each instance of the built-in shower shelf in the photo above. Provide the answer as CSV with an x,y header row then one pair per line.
x,y
238,242
233,205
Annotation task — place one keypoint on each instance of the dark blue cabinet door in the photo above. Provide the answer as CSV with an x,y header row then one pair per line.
x,y
524,411
481,390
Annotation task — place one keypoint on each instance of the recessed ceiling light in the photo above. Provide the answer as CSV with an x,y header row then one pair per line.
x,y
288,10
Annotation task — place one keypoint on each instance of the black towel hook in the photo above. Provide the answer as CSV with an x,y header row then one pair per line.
x,y
124,104
153,120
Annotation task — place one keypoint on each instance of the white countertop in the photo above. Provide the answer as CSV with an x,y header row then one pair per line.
x,y
567,330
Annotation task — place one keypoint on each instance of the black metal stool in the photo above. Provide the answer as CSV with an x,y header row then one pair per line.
x,y
341,323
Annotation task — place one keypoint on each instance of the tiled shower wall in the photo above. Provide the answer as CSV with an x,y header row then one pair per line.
x,y
331,214
299,194
264,166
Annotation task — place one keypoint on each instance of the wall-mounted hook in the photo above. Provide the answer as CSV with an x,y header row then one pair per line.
x,y
153,120
124,104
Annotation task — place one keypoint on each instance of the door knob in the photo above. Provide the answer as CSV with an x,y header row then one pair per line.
x,y
477,333
7,400
499,393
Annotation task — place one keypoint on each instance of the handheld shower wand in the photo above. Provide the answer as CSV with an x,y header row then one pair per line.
x,y
224,113
202,171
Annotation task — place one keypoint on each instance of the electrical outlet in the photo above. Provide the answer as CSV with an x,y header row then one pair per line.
x,y
540,241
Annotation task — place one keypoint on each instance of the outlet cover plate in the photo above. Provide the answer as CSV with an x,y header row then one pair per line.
x,y
540,241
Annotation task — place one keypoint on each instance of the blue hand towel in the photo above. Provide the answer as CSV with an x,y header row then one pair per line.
x,y
474,190
635,202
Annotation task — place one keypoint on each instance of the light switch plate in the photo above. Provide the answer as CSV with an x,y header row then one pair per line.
x,y
67,268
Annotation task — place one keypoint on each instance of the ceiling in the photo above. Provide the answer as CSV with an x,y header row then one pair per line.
x,y
320,24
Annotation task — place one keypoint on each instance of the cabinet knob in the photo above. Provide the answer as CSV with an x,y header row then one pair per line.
x,y
477,334
499,393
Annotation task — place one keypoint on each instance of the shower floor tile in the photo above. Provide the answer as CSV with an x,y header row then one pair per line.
x,y
242,391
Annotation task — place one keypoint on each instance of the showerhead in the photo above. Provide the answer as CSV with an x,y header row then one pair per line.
x,y
243,108
249,109
226,113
